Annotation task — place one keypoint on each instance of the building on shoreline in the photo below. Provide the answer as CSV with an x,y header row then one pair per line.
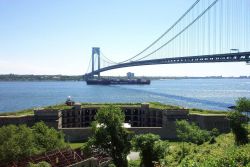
x,y
75,120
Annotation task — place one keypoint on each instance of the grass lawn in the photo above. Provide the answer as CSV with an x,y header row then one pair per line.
x,y
75,145
18,113
151,105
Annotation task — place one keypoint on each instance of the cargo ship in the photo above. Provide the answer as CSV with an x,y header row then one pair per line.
x,y
103,81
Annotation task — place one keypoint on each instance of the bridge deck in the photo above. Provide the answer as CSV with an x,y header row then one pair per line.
x,y
228,57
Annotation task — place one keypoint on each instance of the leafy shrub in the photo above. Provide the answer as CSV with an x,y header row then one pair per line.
x,y
215,132
135,163
243,104
238,123
110,136
212,140
47,139
21,141
111,165
191,133
151,148
235,157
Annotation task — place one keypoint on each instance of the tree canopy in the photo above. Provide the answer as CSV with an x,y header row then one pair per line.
x,y
110,136
151,148
47,139
243,104
18,142
238,123
189,132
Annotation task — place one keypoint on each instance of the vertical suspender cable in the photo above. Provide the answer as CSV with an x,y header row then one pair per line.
x,y
168,30
88,65
221,25
203,30
214,30
209,38
183,30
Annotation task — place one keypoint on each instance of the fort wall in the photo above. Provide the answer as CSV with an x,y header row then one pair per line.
x,y
75,122
210,121
17,120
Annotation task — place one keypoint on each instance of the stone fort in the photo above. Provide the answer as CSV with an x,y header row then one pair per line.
x,y
75,120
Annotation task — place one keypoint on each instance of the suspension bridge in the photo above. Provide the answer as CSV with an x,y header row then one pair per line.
x,y
209,31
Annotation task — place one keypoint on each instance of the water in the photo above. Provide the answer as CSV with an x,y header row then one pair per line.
x,y
216,94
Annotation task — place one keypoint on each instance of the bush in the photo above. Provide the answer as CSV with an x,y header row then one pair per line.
x,y
238,123
215,132
191,133
235,157
135,163
47,139
16,142
212,140
151,148
21,141
110,136
243,104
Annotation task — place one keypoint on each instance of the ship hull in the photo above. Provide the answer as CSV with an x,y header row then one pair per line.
x,y
117,82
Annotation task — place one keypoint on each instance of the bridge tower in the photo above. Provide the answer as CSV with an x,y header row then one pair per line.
x,y
96,52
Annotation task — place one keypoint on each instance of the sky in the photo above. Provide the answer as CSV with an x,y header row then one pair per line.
x,y
56,37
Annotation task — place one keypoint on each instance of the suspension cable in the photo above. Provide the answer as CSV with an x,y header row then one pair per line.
x,y
168,30
88,65
183,30
109,61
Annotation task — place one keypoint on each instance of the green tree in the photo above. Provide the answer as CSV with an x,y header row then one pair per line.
x,y
191,133
151,148
47,139
243,104
110,136
187,132
238,123
21,141
16,142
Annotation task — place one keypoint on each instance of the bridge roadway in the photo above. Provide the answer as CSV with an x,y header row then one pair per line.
x,y
228,57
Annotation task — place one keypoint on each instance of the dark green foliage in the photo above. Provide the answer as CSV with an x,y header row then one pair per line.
x,y
222,153
134,163
18,142
212,140
243,104
86,147
15,77
214,132
151,148
40,164
191,133
47,139
110,136
233,157
238,123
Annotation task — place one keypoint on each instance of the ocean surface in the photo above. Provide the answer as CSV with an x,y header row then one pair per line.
x,y
215,94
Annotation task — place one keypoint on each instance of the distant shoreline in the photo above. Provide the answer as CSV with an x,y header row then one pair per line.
x,y
15,77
